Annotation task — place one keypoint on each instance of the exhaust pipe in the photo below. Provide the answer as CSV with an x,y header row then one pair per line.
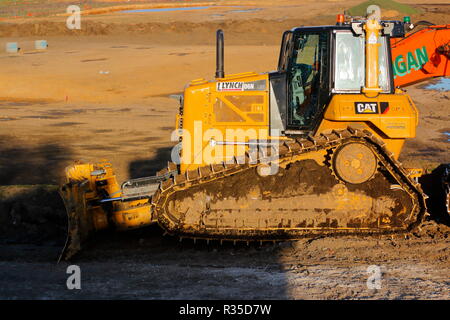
x,y
220,73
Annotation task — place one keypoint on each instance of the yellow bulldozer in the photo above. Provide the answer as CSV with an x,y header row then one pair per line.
x,y
310,149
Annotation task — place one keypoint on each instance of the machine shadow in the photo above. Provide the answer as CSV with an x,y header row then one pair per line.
x,y
40,164
188,269
33,227
192,269
149,167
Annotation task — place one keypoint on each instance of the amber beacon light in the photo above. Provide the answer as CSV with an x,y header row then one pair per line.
x,y
340,19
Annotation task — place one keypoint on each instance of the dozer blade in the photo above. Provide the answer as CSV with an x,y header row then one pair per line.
x,y
79,222
94,201
85,185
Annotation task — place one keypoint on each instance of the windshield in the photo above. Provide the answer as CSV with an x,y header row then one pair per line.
x,y
349,74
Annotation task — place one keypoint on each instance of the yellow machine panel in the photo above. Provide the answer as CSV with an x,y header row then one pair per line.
x,y
232,109
393,118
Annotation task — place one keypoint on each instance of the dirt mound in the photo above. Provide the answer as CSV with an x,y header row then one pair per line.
x,y
360,9
432,230
52,28
32,214
93,28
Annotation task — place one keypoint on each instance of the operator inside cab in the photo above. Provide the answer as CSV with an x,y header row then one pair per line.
x,y
305,78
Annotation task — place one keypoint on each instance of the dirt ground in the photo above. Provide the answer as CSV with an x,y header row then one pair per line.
x,y
104,92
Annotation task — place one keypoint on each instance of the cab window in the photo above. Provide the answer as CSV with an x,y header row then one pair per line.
x,y
349,73
308,79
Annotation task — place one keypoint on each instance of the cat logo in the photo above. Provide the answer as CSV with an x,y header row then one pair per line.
x,y
366,107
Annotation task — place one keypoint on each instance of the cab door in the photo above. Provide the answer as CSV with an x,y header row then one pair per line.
x,y
307,80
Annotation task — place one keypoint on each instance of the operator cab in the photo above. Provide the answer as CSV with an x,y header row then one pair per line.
x,y
314,64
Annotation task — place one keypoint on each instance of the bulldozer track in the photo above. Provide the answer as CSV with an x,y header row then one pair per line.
x,y
288,150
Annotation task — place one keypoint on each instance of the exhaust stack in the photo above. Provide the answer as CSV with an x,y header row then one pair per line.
x,y
220,73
